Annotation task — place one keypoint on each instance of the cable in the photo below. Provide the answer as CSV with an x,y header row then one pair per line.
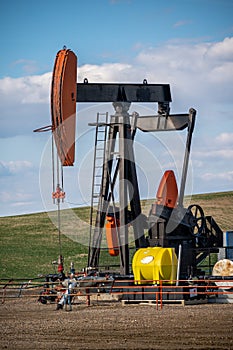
x,y
53,165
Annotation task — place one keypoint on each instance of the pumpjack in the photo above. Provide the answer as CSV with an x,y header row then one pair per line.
x,y
188,231
192,234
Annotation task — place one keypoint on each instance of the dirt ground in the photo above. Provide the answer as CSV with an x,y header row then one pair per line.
x,y
27,324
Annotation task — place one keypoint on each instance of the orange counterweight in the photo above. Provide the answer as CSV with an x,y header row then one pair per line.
x,y
167,194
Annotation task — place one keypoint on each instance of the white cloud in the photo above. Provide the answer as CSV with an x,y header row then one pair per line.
x,y
200,75
4,171
15,197
225,139
198,72
222,51
114,72
224,176
24,104
14,167
191,67
219,148
19,192
214,154
28,66
182,23
29,89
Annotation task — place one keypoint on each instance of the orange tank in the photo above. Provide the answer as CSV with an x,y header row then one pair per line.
x,y
63,105
111,235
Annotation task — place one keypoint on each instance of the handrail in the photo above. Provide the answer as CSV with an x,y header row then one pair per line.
x,y
157,291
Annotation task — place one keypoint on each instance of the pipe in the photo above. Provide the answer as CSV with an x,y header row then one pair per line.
x,y
178,265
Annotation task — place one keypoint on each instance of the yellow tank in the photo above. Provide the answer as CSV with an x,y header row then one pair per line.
x,y
153,264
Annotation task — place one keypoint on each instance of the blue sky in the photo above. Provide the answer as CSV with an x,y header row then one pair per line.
x,y
186,43
102,30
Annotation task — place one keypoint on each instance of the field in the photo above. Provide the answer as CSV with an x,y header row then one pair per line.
x,y
29,243
25,324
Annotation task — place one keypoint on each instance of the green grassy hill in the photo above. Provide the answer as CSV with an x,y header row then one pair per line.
x,y
29,243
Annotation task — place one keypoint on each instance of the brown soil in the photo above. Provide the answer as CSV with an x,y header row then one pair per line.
x,y
26,324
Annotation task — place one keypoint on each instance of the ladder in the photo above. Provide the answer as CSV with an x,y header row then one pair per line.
x,y
98,165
